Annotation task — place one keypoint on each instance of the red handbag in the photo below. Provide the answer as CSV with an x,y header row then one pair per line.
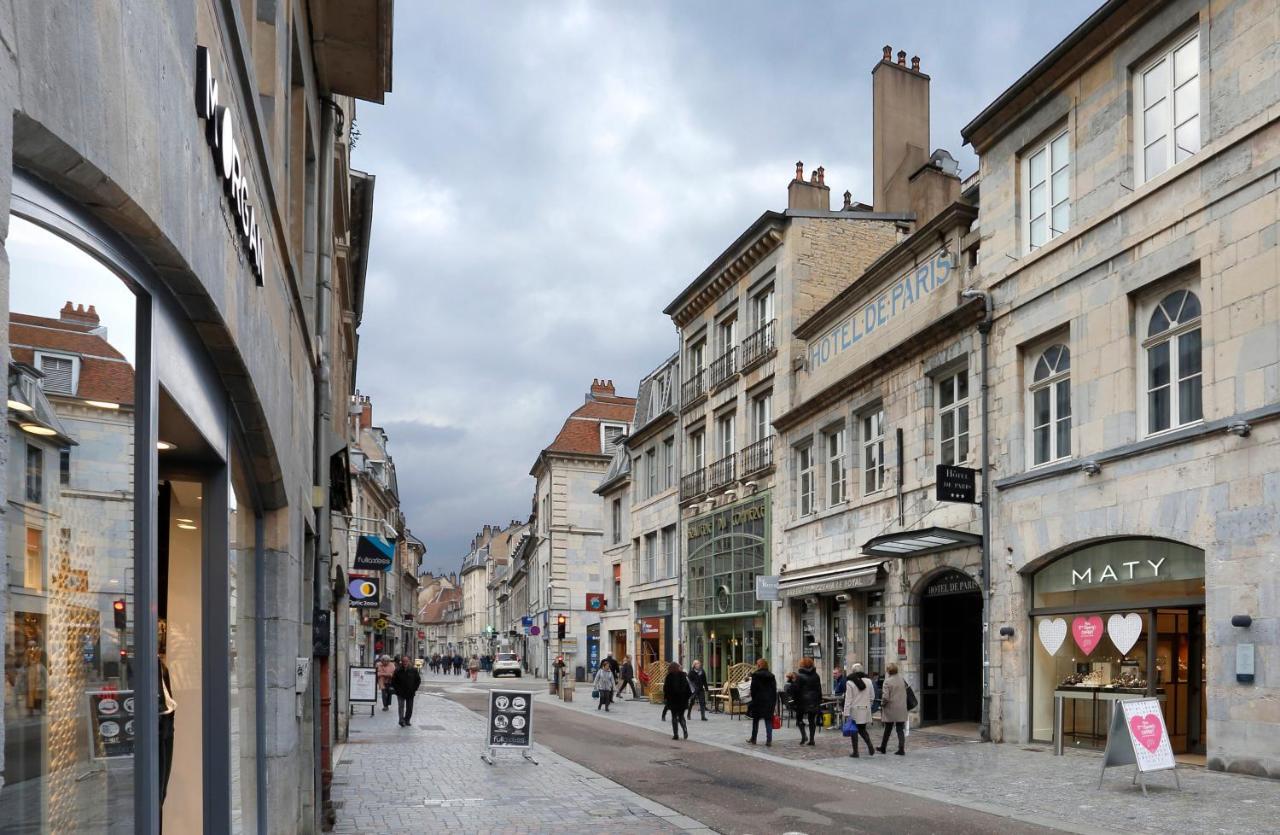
x,y
777,722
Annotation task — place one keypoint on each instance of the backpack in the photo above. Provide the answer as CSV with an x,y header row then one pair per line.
x,y
911,699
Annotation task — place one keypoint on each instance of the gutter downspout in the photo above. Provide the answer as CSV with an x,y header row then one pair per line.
x,y
984,332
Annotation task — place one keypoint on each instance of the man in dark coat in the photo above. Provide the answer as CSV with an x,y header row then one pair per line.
x,y
405,682
626,677
676,693
808,698
698,683
764,700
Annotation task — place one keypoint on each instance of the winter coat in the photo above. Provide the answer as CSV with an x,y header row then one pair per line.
x,y
626,672
857,698
612,664
386,670
474,665
764,695
603,680
676,691
808,694
698,680
838,686
893,708
406,681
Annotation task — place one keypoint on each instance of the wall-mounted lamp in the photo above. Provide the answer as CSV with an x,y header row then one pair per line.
x,y
1006,632
1239,428
1090,467
1241,621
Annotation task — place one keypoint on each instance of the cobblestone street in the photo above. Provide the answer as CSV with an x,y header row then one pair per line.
x,y
430,778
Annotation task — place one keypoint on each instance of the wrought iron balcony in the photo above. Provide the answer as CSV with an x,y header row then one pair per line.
x,y
694,484
724,471
760,344
723,368
694,387
757,456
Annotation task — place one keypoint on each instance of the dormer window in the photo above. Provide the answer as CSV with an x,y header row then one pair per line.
x,y
61,372
610,433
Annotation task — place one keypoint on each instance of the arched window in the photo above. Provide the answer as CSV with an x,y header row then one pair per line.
x,y
1173,367
1050,405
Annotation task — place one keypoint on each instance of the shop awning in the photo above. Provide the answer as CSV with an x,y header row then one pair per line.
x,y
916,543
829,578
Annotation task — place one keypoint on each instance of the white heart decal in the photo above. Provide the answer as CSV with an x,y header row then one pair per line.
x,y
1052,634
1124,631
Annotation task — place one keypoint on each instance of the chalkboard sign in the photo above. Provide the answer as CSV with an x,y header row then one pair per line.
x,y
510,719
110,724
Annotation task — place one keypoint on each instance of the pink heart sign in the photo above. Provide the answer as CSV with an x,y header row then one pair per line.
x,y
1146,729
1087,632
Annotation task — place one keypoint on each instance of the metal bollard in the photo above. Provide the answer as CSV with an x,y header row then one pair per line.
x,y
1057,726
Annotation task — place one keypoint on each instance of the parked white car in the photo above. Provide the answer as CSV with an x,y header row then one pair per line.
x,y
506,663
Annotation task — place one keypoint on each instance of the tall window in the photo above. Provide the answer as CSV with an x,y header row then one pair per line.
x,y
1050,408
697,450
1166,95
724,435
64,465
953,417
615,598
35,474
1173,362
33,575
669,550
617,521
871,425
697,357
762,308
669,463
726,336
1046,191
762,416
806,481
651,470
835,443
650,555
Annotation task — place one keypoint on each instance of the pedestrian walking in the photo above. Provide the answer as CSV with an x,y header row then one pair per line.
x,y
893,708
457,665
764,701
384,670
698,683
838,680
857,706
405,681
612,663
808,698
626,677
474,668
675,696
603,685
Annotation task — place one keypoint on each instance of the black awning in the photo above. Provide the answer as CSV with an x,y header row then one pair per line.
x,y
917,543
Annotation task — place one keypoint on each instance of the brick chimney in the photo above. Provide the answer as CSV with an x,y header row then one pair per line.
x,y
899,129
366,413
811,196
602,388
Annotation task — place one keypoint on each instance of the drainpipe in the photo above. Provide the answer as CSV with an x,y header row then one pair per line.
x,y
331,121
984,332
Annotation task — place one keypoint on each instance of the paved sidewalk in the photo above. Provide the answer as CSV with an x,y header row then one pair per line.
x,y
1025,782
430,778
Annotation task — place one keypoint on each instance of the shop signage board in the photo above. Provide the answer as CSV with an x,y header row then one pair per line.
x,y
766,587
110,724
956,484
953,582
595,602
373,553
364,592
1138,737
362,686
510,723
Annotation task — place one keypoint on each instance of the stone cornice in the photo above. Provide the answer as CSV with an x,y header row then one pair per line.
x,y
706,290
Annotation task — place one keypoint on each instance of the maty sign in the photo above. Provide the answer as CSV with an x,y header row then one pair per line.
x,y
1087,632
1052,633
1124,631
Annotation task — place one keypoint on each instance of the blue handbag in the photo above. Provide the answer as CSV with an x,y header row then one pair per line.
x,y
850,727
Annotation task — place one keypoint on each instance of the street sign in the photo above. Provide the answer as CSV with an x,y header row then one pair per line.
x,y
364,592
956,484
767,587
374,553
380,624
510,722
595,602
526,621
534,630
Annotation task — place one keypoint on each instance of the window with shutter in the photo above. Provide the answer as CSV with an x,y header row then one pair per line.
x,y
58,374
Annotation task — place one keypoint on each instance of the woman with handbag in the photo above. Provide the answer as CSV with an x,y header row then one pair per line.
x,y
764,701
857,709
808,698
676,693
603,685
893,708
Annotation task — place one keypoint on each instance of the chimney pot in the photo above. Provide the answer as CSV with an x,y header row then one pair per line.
x,y
848,198
799,176
822,174
902,57
888,53
915,63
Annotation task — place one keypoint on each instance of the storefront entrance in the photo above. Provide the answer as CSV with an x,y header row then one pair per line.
x,y
951,650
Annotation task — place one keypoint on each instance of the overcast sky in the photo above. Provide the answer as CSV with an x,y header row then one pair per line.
x,y
551,174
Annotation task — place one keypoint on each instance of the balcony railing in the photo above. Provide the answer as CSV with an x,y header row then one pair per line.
x,y
760,344
757,456
724,471
723,368
693,484
694,387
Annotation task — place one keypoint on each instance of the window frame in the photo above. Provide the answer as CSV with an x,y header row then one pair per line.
x,y
875,413
1140,107
955,407
762,308
1168,336
651,471
33,474
39,355
806,480
698,449
669,462
616,520
1045,147
835,464
650,556
726,435
1050,383
761,431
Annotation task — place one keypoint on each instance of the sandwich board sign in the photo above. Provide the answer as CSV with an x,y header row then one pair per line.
x,y
362,687
510,723
1138,737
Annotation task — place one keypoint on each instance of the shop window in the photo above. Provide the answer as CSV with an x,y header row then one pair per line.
x,y
953,417
1046,191
872,439
834,448
1171,354
806,481
1166,95
1049,405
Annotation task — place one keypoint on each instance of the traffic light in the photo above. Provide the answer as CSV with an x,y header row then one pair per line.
x,y
560,623
121,616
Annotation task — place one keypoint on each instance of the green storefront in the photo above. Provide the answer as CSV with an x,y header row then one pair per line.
x,y
726,550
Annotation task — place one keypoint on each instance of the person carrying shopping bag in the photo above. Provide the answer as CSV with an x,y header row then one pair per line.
x,y
764,701
857,709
